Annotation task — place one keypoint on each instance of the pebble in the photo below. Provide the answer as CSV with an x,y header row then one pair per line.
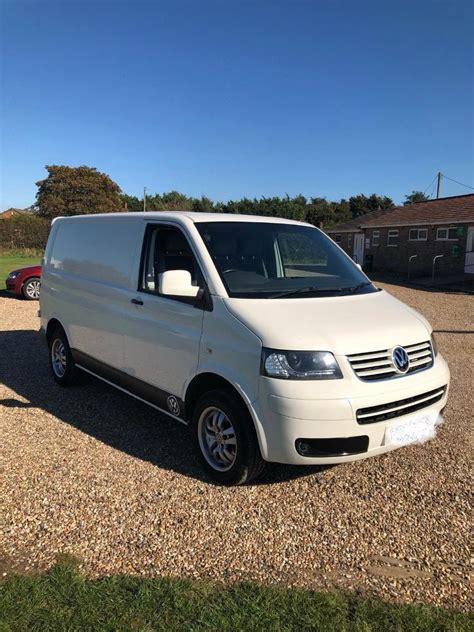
x,y
90,472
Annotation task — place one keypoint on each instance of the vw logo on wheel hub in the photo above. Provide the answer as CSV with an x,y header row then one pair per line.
x,y
400,360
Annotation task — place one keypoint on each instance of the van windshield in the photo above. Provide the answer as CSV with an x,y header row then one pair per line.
x,y
272,260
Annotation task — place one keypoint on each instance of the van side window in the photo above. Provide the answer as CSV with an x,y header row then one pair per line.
x,y
165,248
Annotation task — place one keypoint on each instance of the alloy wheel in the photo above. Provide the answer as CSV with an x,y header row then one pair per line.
x,y
217,439
58,358
32,289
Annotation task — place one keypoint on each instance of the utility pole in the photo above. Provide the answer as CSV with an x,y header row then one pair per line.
x,y
438,186
144,199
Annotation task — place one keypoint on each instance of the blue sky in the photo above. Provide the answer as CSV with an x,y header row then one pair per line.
x,y
235,98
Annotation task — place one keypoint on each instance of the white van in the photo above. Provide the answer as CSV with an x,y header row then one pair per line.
x,y
259,333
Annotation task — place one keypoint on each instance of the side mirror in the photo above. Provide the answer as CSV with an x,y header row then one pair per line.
x,y
177,283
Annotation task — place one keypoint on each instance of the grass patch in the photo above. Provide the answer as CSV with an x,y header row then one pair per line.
x,y
11,260
65,599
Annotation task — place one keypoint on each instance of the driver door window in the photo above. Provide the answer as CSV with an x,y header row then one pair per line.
x,y
165,248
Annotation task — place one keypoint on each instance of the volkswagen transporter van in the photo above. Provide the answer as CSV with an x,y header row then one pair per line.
x,y
260,334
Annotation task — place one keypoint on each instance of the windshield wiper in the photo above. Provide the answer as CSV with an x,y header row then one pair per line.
x,y
305,290
320,290
351,290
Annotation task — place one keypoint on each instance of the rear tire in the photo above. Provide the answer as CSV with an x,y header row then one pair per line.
x,y
61,362
225,438
31,289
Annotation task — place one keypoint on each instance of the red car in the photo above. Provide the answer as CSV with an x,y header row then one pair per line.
x,y
25,282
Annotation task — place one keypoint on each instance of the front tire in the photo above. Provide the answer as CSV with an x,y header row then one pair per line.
x,y
61,362
31,289
225,438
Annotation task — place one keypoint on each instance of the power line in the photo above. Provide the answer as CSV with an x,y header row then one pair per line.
x,y
430,185
460,183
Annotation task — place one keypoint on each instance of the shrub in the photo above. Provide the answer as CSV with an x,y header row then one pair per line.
x,y
23,232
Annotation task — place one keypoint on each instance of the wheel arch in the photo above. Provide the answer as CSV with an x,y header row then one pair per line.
x,y
208,381
54,323
31,276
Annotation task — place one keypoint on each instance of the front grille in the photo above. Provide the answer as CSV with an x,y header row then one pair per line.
x,y
377,365
372,414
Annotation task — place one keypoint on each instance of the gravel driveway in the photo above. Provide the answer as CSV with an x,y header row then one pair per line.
x,y
91,472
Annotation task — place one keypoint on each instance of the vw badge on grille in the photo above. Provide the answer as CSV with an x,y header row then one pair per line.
x,y
400,360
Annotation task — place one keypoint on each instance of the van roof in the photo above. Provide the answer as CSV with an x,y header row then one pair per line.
x,y
194,217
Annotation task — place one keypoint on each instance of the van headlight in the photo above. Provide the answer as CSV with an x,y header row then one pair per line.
x,y
300,365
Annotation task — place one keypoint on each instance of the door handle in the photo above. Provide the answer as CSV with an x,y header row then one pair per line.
x,y
136,301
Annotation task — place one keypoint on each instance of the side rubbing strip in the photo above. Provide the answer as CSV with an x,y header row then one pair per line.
x,y
167,402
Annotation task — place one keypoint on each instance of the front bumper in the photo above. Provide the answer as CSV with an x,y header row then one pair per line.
x,y
287,412
11,285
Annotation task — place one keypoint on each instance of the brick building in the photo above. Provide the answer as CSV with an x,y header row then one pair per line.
x,y
343,234
412,235
11,212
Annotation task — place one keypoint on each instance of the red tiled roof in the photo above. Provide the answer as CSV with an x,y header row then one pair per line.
x,y
456,209
10,212
353,225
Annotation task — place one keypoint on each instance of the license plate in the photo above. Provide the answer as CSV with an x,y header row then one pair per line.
x,y
417,429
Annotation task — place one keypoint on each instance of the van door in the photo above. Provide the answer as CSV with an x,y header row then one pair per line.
x,y
163,333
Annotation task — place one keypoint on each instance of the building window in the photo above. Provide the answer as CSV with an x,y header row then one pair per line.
x,y
447,234
418,234
375,238
338,239
392,238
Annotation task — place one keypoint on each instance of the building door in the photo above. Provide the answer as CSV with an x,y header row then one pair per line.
x,y
358,253
469,263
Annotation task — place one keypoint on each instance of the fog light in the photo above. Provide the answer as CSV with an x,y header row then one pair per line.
x,y
303,447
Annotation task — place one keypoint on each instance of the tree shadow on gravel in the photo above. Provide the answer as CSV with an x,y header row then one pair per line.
x,y
14,297
106,413
463,285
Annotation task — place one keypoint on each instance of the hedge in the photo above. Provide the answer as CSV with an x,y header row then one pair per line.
x,y
24,232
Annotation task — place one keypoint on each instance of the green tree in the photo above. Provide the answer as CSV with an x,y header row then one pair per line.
x,y
316,210
24,231
175,201
203,204
415,196
319,212
244,206
131,203
341,211
171,201
291,208
76,190
361,204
